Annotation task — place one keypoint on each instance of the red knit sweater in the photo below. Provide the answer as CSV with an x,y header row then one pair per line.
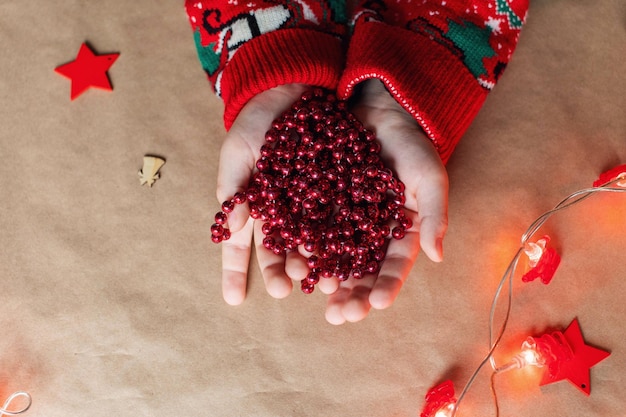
x,y
439,58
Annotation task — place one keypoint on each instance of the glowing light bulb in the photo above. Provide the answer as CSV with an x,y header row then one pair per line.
x,y
543,261
446,411
550,350
530,355
535,250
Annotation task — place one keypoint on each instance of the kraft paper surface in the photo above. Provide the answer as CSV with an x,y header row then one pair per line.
x,y
110,291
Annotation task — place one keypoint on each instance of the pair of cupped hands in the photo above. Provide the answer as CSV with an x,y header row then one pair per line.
x,y
405,149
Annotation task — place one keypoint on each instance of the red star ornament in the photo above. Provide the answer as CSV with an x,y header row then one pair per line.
x,y
577,369
88,70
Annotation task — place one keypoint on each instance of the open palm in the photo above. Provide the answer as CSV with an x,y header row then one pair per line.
x,y
407,150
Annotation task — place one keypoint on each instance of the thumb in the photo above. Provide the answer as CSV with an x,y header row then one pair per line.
x,y
432,201
242,145
236,166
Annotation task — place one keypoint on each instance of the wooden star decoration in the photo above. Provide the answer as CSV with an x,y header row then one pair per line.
x,y
88,70
150,171
577,369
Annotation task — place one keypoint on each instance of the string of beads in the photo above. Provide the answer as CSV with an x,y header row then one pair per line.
x,y
320,184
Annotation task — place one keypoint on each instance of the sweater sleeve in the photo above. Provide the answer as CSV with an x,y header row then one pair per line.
x,y
247,47
439,59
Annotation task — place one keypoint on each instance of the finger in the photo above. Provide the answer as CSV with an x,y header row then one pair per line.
x,y
432,206
238,218
277,283
235,262
242,145
234,173
400,257
357,305
350,301
296,266
334,315
328,285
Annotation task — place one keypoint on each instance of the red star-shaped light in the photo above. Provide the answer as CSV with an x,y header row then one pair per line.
x,y
545,268
577,369
88,70
611,175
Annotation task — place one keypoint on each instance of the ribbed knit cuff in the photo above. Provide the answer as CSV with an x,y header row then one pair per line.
x,y
285,56
425,77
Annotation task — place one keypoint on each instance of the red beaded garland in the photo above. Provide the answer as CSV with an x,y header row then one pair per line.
x,y
320,183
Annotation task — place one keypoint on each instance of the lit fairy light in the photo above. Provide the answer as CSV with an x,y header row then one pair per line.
x,y
562,355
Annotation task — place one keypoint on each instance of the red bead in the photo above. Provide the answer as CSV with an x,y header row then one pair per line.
x,y
286,233
406,222
278,248
357,273
380,186
365,225
268,242
374,148
228,206
371,171
385,174
307,96
255,213
239,198
326,273
221,218
372,267
266,150
372,196
357,178
342,274
312,278
262,164
349,247
378,243
357,193
325,253
398,232
217,230
251,194
267,228
362,250
310,246
271,136
399,199
324,199
306,287
309,204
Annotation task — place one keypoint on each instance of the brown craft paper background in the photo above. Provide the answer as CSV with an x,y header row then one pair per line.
x,y
110,299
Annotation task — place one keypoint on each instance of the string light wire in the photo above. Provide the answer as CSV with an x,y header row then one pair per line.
x,y
509,274
5,408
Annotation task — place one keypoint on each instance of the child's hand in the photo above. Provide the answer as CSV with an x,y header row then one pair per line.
x,y
407,150
238,157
